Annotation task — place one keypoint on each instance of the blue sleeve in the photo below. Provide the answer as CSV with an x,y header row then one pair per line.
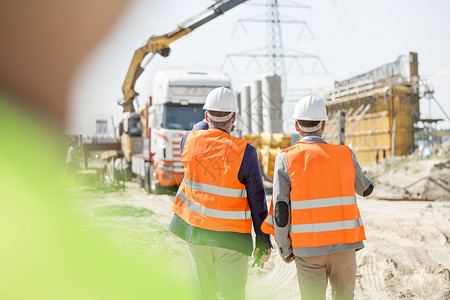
x,y
250,175
199,126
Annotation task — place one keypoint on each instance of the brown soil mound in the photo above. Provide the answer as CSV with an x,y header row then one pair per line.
x,y
413,177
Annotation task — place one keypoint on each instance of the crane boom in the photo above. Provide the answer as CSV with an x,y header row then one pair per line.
x,y
160,45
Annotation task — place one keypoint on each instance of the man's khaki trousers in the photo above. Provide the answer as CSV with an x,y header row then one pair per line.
x,y
219,271
339,268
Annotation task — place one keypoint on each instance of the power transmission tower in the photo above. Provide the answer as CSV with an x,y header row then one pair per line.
x,y
274,53
274,39
279,59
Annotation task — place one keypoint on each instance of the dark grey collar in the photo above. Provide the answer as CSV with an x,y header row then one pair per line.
x,y
312,139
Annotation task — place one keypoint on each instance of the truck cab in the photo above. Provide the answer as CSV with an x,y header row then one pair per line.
x,y
177,105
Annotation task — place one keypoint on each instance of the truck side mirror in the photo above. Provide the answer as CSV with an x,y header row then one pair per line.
x,y
152,117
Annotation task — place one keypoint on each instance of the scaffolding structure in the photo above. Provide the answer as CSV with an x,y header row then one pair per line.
x,y
381,109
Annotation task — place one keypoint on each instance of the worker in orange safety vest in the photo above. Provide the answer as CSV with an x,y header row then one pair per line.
x,y
221,196
314,216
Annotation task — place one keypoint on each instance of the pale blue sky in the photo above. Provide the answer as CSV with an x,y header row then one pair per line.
x,y
351,37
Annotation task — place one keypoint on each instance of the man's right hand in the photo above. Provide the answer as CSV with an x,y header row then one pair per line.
x,y
288,259
261,257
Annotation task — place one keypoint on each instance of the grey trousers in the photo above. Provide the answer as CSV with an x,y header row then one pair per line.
x,y
339,268
219,273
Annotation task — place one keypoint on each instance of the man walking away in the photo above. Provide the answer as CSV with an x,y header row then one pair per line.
x,y
222,193
314,215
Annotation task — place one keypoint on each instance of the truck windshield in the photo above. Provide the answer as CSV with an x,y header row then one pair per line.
x,y
182,117
135,126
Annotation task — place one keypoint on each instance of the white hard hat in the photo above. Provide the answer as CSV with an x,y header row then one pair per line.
x,y
310,108
221,99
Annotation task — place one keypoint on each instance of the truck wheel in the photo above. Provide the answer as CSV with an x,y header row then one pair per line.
x,y
147,177
153,187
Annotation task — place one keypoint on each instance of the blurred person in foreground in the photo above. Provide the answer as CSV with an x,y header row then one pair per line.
x,y
314,215
45,251
221,194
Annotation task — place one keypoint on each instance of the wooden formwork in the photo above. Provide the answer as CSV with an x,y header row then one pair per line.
x,y
380,109
378,123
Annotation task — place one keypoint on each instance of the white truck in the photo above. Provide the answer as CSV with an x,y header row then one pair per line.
x,y
176,106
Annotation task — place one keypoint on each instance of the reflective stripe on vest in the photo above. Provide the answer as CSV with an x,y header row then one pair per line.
x,y
211,195
330,226
214,213
326,202
267,226
217,190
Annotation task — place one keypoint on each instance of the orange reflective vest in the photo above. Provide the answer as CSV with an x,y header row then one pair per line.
x,y
323,202
211,196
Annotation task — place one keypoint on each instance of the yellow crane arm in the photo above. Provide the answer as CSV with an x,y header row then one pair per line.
x,y
160,45
156,44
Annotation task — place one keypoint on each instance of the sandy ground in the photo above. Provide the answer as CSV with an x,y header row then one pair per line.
x,y
407,253
413,177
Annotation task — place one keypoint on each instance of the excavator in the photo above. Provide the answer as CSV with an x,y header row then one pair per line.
x,y
160,45
134,129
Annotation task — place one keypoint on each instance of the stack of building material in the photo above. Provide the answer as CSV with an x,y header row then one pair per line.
x,y
268,147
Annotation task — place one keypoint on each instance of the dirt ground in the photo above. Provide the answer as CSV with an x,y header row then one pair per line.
x,y
413,177
407,253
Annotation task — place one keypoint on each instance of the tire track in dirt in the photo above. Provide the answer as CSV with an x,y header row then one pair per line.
x,y
370,277
407,246
277,278
440,256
